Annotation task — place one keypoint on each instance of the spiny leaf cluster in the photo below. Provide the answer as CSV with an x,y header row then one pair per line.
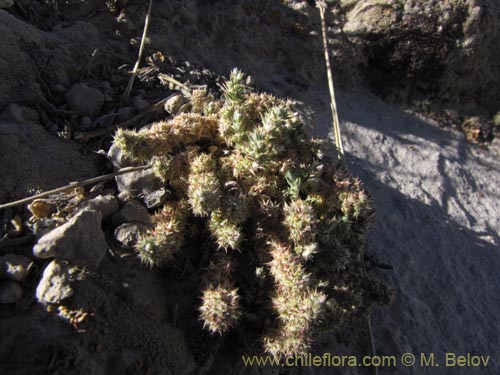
x,y
286,222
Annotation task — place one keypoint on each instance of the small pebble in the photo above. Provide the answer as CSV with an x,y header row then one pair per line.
x,y
132,211
86,123
140,104
42,207
107,205
125,196
156,198
14,267
85,100
124,113
128,234
54,285
495,146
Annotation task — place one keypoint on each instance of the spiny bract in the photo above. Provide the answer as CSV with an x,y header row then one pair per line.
x,y
285,221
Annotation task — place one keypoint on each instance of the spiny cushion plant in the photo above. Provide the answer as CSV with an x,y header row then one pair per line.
x,y
285,221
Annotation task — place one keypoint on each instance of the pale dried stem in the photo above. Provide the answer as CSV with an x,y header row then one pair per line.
x,y
73,185
128,90
333,103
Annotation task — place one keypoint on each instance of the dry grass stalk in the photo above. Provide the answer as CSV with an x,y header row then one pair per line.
x,y
141,49
338,142
333,104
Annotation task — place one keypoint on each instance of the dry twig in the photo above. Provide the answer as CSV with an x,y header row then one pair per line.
x,y
73,185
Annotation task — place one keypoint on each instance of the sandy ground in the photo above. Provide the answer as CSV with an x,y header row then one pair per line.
x,y
437,201
437,197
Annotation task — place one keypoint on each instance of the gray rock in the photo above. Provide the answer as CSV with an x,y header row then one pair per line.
x,y
132,211
10,292
107,205
4,4
174,104
124,113
85,100
54,285
125,196
140,104
79,241
136,184
128,233
117,157
140,183
44,225
14,267
156,198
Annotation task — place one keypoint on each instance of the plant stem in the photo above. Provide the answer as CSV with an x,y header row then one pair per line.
x,y
74,185
141,49
333,103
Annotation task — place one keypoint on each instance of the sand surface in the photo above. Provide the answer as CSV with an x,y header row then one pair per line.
x,y
437,202
437,197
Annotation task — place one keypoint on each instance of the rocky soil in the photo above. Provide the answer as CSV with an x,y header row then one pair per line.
x,y
419,88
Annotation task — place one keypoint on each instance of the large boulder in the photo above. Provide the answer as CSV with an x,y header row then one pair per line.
x,y
450,49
